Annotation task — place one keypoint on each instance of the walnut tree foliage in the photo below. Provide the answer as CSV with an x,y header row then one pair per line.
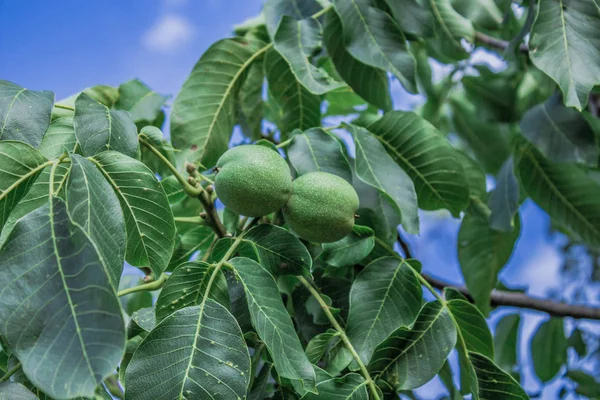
x,y
238,308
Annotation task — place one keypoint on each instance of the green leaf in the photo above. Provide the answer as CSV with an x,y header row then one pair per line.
x,y
495,384
153,135
61,317
427,157
137,301
145,318
577,342
586,384
186,287
297,41
299,109
560,133
279,251
377,168
317,150
374,38
473,327
474,175
348,387
274,10
549,349
59,138
103,94
408,359
93,206
484,13
504,199
20,165
489,141
350,250
447,377
386,295
143,104
505,343
259,387
148,218
250,101
319,344
482,253
565,192
204,111
372,84
273,323
197,352
412,17
13,390
451,27
196,239
97,128
565,44
25,114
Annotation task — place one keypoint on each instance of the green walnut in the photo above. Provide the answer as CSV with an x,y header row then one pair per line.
x,y
253,180
322,207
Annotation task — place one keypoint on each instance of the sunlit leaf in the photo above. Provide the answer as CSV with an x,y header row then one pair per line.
x,y
298,9
385,296
24,113
204,111
273,324
350,250
148,218
495,384
473,326
61,317
59,138
412,17
565,44
197,352
143,104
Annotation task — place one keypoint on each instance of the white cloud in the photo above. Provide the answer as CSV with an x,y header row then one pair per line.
x,y
168,34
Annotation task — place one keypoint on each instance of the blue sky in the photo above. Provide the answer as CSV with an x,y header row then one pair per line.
x,y
67,45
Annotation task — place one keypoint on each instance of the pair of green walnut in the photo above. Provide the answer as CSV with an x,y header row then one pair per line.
x,y
253,181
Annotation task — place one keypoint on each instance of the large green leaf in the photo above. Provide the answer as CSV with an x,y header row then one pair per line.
x,y
97,128
317,150
196,353
13,390
374,38
451,28
25,114
560,133
350,250
482,253
279,251
412,17
473,327
60,315
549,349
299,109
95,208
483,13
586,384
148,218
273,323
186,287
427,157
59,137
494,383
504,199
505,343
205,109
377,168
372,84
565,192
408,359
348,387
297,41
20,165
250,101
298,9
385,296
143,104
565,44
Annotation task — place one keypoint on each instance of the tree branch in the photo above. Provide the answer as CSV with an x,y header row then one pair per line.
x,y
497,43
514,299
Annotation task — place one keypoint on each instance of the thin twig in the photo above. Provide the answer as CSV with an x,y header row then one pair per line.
x,y
497,43
10,372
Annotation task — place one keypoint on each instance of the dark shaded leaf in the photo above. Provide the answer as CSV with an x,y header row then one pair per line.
x,y
350,250
504,199
549,349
